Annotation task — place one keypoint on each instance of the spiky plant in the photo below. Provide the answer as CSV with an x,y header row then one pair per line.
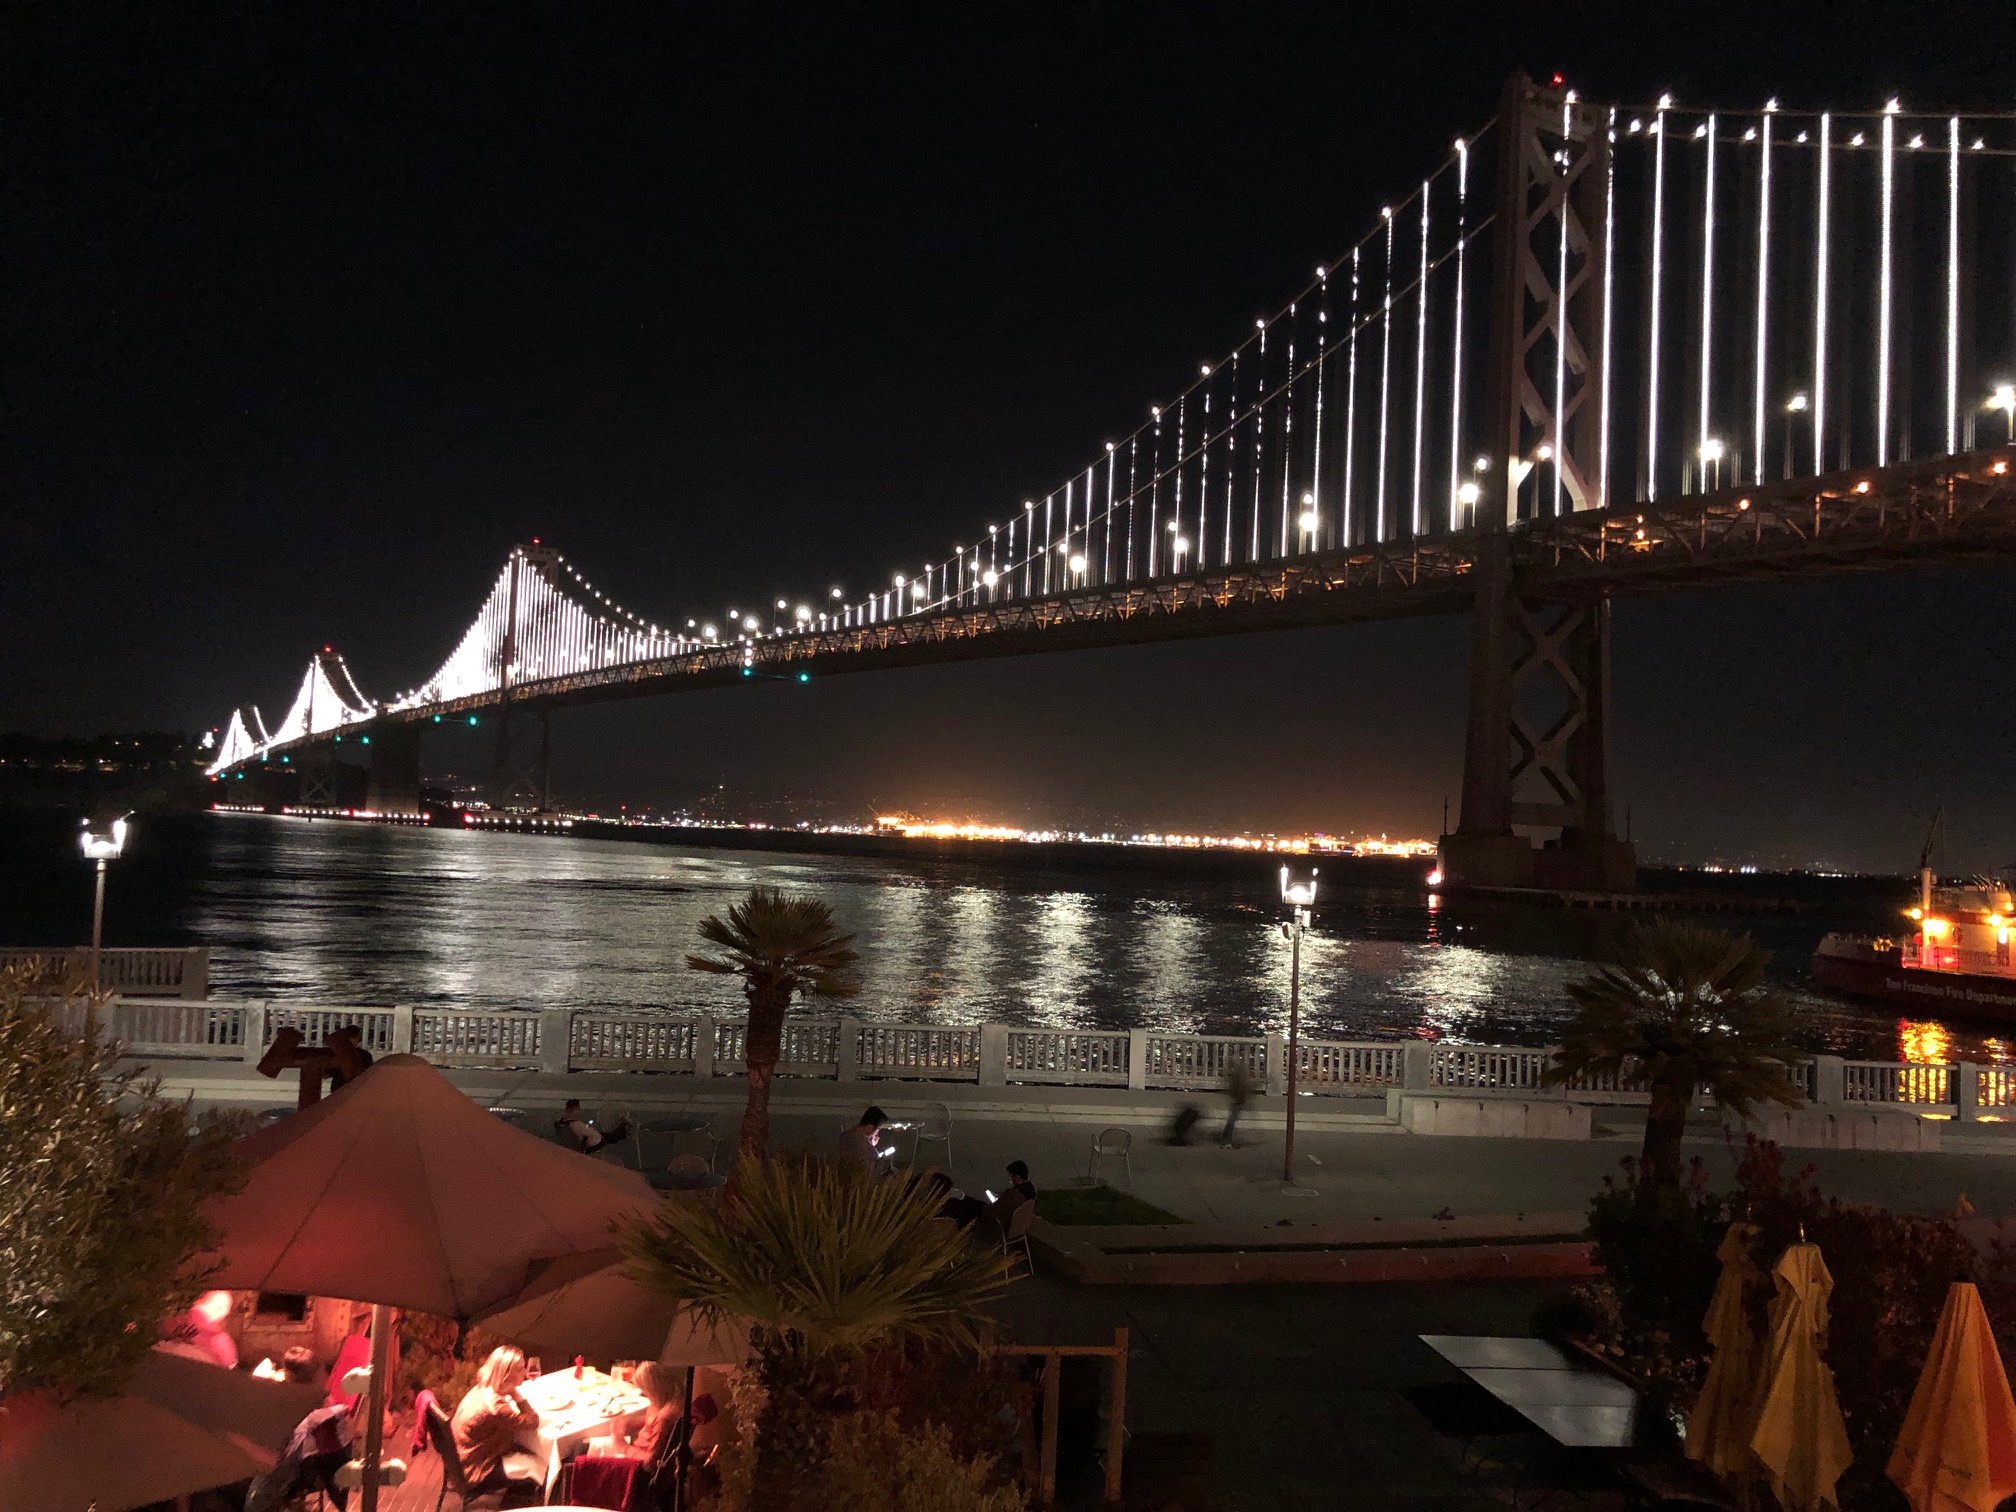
x,y
1683,1009
781,948
827,1264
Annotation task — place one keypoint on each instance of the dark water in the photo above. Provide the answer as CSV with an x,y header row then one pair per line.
x,y
351,913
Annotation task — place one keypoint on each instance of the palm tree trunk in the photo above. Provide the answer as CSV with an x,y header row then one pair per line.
x,y
1665,1123
762,1045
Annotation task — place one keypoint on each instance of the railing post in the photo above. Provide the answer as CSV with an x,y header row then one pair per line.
x,y
1830,1088
1137,1060
556,1038
196,972
993,1055
1417,1061
847,1050
703,1044
1277,1066
254,1046
1966,1091
402,1029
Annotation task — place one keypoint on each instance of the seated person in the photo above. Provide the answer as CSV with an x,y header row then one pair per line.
x,y
1020,1190
858,1146
487,1424
662,1421
588,1139
953,1203
319,1447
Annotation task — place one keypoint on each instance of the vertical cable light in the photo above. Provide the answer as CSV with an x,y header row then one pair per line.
x,y
1821,218
1952,285
1757,377
1883,287
1707,303
1350,407
1421,362
1609,284
1456,336
1385,373
1559,437
1652,324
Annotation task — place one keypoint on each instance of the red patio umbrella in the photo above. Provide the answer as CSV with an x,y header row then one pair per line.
x,y
401,1192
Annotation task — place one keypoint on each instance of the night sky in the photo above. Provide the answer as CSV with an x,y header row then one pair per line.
x,y
313,311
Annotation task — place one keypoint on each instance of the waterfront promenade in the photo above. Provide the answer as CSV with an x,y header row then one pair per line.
x,y
1360,1165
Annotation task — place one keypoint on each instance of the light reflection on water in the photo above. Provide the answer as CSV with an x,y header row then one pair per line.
x,y
348,913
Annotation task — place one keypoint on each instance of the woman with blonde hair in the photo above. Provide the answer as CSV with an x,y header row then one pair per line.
x,y
489,1420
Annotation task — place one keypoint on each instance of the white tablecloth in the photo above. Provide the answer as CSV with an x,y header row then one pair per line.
x,y
573,1411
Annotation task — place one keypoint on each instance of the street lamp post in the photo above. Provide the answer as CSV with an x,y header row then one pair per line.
x,y
101,843
2004,399
1299,897
1794,406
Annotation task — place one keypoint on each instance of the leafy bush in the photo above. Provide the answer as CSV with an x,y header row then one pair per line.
x,y
877,1463
101,1224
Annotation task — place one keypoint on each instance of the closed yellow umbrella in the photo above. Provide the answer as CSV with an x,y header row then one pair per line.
x,y
1957,1452
1718,1430
1800,1436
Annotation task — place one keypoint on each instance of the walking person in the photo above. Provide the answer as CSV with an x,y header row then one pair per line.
x,y
1239,1091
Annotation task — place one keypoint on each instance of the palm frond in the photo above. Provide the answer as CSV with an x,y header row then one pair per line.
x,y
820,1255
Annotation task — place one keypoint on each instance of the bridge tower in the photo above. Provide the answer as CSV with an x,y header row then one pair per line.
x,y
520,775
1536,808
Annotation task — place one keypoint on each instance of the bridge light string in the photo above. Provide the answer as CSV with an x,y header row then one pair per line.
x,y
1707,298
1231,460
1106,539
1316,444
1421,362
1609,285
1758,380
1455,341
1658,249
1883,286
1259,441
1204,480
1176,508
1155,492
1557,435
1952,285
1820,238
1351,407
1288,433
1133,452
1385,374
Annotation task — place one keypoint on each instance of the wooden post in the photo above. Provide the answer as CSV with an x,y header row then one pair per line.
x,y
1116,1415
374,1401
1052,1380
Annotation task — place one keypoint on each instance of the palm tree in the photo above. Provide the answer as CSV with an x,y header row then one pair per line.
x,y
1684,1008
779,946
826,1263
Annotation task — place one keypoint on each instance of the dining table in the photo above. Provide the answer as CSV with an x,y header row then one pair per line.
x,y
574,1408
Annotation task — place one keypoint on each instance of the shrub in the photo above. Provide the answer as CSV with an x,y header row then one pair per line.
x,y
101,1223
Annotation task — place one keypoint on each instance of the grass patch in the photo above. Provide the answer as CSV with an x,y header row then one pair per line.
x,y
1097,1205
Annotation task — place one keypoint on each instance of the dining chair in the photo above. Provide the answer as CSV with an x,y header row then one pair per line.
x,y
1015,1240
518,1467
1107,1144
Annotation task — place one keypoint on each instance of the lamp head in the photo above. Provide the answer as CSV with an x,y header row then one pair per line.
x,y
104,840
1300,893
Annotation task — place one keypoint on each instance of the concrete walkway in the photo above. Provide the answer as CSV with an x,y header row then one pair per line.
x,y
1359,1165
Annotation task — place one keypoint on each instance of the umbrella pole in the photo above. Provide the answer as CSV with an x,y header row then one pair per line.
x,y
685,1449
374,1401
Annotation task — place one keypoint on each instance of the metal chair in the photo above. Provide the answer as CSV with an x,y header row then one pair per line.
x,y
1106,1144
1015,1240
933,1127
518,1466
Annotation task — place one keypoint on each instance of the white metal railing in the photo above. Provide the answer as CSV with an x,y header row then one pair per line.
x,y
1066,1057
1914,1085
561,1040
915,1050
1323,1064
174,971
1193,1060
599,1043
506,1038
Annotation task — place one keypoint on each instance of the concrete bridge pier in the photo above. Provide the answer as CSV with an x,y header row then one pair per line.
x,y
393,786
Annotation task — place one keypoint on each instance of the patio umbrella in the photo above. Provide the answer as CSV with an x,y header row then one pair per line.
x,y
1800,1436
586,1305
1718,1431
1957,1452
401,1192
179,1427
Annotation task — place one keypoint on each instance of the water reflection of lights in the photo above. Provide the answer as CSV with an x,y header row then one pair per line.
x,y
1923,1044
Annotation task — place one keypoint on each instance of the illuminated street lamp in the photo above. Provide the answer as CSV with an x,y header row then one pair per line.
x,y
2004,399
1712,453
1796,405
101,843
1300,897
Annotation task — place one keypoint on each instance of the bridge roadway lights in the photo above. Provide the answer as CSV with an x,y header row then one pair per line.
x,y
393,786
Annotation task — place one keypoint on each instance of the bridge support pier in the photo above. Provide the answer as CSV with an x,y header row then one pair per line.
x,y
1536,763
522,774
393,786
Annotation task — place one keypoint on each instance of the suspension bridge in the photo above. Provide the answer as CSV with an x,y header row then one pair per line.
x,y
1600,350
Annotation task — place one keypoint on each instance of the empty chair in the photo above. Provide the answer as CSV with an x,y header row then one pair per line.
x,y
1015,1240
1106,1144
688,1173
934,1126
